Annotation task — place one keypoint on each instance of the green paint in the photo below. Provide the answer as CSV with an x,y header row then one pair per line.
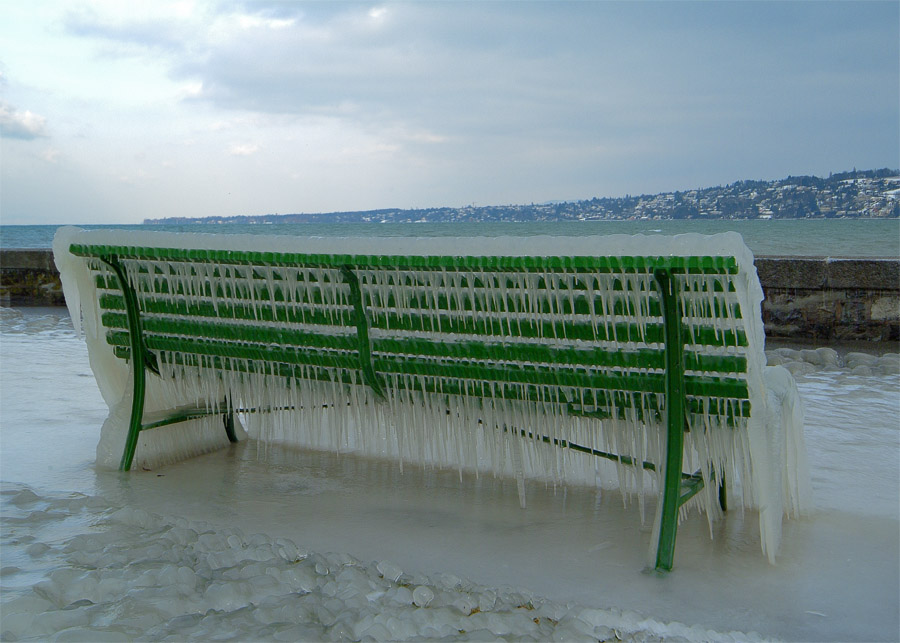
x,y
362,333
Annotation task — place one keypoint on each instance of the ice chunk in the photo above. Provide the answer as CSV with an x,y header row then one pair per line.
x,y
389,570
422,595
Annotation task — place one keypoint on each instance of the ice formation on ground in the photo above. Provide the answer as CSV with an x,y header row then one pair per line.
x,y
761,456
423,521
139,576
801,361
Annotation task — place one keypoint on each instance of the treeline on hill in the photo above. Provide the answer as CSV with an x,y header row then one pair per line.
x,y
858,193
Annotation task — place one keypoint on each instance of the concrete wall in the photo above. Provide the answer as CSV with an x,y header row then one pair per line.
x,y
807,298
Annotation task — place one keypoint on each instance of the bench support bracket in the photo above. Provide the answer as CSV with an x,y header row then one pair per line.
x,y
142,361
362,332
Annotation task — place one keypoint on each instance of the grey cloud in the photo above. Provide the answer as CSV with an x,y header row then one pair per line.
x,y
452,68
155,35
689,85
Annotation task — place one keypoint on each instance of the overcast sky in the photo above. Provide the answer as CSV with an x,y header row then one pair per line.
x,y
112,112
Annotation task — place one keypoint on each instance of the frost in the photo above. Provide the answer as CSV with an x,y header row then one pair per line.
x,y
456,374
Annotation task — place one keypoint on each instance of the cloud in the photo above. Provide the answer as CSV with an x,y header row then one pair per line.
x,y
432,103
245,149
25,125
51,155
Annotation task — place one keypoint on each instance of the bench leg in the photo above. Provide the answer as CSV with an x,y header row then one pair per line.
x,y
671,494
675,420
228,420
138,363
723,493
134,425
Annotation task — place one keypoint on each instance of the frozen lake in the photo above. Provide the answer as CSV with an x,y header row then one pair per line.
x,y
336,530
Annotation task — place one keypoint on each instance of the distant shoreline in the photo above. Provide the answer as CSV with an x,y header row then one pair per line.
x,y
869,194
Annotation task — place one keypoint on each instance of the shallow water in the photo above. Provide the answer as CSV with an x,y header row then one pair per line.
x,y
575,554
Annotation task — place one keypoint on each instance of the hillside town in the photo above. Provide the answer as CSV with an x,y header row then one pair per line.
x,y
855,194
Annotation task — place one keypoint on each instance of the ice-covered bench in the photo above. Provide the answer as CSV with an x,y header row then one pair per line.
x,y
540,356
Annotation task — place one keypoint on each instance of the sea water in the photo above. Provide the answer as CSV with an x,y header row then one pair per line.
x,y
800,237
282,544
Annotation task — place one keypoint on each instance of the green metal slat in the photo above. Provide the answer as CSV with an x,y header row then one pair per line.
x,y
417,278
495,327
643,382
690,265
694,361
278,313
499,326
513,392
520,352
241,333
298,372
543,354
226,292
649,382
620,305
240,350
580,305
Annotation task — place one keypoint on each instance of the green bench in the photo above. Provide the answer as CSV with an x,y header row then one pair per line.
x,y
647,352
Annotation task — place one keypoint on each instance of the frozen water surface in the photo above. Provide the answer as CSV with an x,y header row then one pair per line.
x,y
282,544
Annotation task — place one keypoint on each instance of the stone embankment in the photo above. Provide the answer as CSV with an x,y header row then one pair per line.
x,y
28,277
806,298
833,299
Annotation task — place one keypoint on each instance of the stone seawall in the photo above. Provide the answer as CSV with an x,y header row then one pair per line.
x,y
831,298
28,277
806,298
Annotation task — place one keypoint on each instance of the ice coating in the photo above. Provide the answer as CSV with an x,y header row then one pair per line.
x,y
411,425
133,575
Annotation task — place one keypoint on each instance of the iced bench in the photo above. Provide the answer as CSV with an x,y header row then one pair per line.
x,y
529,357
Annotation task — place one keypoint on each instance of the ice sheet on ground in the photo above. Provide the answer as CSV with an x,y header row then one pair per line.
x,y
835,580
127,573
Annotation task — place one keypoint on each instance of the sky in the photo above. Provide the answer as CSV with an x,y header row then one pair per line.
x,y
113,112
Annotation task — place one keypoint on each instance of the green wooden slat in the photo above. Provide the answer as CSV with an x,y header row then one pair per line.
x,y
690,265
